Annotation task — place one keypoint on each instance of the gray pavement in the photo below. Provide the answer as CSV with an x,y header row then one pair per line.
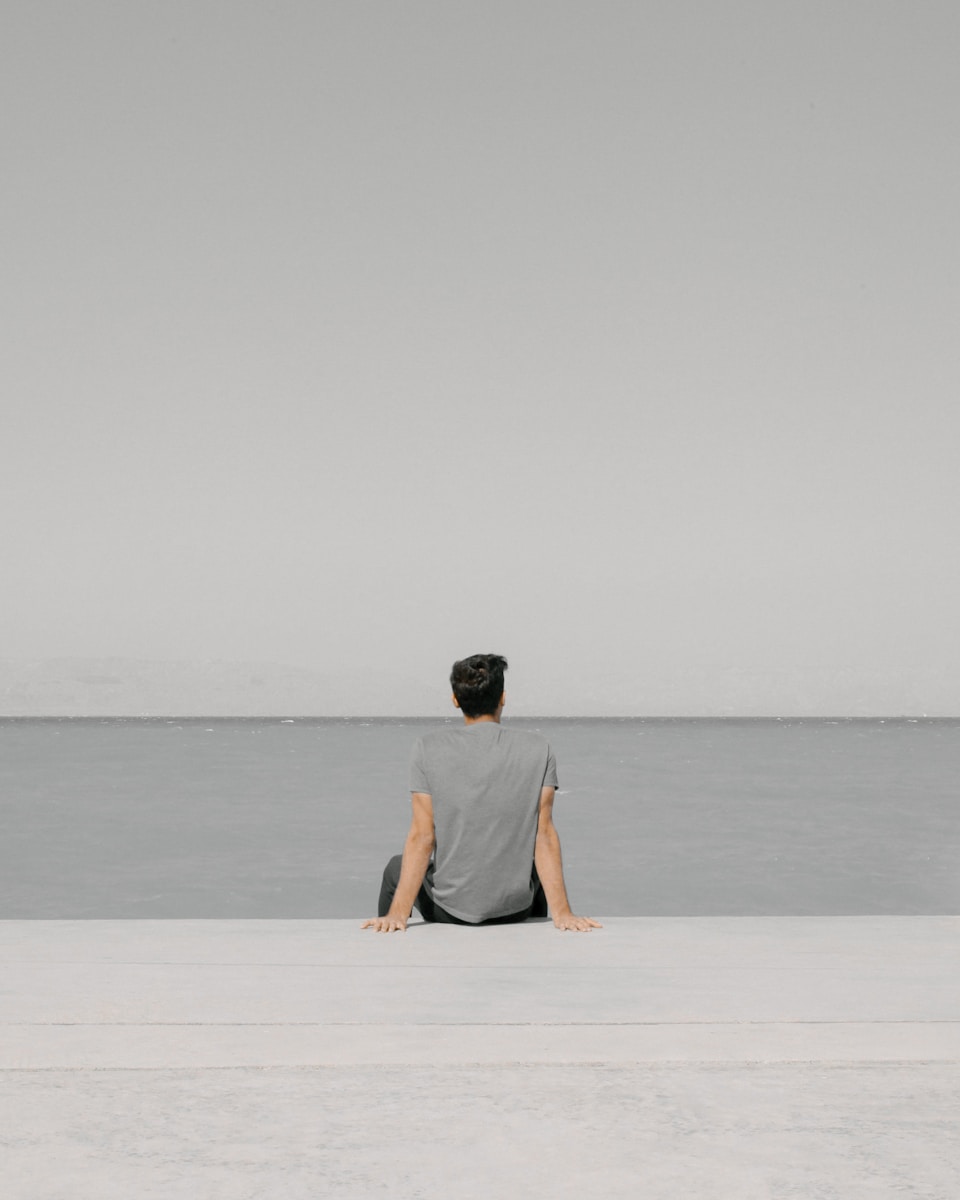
x,y
658,1057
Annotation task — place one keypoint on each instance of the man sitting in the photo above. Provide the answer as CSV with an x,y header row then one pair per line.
x,y
483,810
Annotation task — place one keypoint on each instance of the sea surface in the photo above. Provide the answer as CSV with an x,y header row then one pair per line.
x,y
296,818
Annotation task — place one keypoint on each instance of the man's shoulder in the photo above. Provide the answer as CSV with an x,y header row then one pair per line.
x,y
439,733
436,739
455,735
527,737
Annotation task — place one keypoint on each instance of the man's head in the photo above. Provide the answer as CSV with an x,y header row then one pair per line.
x,y
477,684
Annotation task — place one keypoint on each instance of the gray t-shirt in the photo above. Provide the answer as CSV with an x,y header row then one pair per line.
x,y
485,782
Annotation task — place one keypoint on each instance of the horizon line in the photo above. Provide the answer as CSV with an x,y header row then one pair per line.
x,y
293,717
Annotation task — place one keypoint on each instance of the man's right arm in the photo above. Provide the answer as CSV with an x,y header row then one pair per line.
x,y
549,864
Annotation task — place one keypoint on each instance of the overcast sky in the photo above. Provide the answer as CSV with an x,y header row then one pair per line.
x,y
618,338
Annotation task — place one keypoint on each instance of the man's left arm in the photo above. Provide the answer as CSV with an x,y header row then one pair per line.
x,y
416,858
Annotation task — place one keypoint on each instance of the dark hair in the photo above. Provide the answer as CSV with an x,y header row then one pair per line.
x,y
477,683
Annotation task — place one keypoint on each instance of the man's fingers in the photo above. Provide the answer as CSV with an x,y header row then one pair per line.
x,y
578,924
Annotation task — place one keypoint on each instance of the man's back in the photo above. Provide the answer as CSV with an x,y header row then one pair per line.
x,y
485,782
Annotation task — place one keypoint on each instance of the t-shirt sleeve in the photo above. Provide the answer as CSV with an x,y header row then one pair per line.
x,y
550,774
418,773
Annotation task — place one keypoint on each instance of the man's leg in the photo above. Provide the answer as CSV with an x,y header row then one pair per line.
x,y
391,878
539,906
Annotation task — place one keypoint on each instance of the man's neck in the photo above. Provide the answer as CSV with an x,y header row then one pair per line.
x,y
488,717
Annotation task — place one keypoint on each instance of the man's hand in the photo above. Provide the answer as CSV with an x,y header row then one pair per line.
x,y
577,924
387,924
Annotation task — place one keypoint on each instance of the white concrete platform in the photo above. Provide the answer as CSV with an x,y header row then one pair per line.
x,y
657,1057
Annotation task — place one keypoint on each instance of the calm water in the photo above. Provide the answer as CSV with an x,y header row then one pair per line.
x,y
259,818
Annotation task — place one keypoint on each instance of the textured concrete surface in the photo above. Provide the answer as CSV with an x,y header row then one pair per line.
x,y
657,1057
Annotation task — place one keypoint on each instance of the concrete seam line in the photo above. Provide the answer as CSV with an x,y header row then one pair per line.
x,y
838,1064
466,1025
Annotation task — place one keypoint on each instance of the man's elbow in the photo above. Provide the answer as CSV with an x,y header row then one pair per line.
x,y
548,838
